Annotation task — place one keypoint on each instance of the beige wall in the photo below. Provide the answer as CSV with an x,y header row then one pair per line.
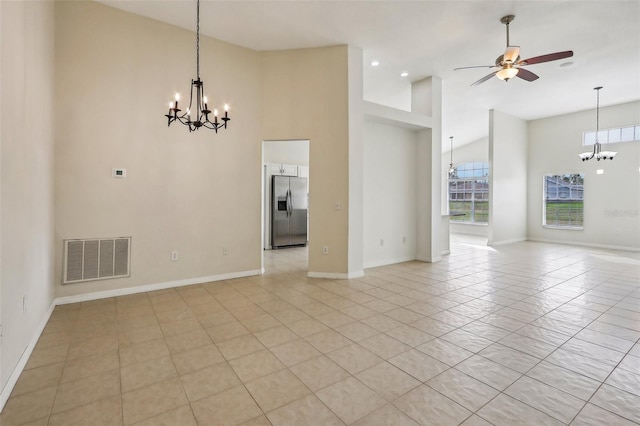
x,y
426,99
26,197
611,200
553,145
507,178
390,194
194,193
356,164
305,97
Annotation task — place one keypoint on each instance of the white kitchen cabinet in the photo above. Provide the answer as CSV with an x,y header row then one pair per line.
x,y
283,169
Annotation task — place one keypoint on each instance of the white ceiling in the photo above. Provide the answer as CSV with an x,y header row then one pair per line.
x,y
428,38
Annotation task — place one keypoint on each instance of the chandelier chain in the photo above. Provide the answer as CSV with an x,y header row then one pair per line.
x,y
451,148
452,170
597,112
198,40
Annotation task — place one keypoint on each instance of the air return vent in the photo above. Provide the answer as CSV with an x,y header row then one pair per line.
x,y
96,259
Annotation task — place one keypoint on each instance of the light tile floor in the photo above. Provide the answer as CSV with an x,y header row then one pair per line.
x,y
525,333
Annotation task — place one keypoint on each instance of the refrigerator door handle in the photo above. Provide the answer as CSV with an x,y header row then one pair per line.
x,y
288,203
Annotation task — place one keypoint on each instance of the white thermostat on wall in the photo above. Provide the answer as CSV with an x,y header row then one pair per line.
x,y
119,173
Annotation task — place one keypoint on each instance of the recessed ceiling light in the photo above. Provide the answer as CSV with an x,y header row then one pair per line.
x,y
600,171
566,64
404,74
375,63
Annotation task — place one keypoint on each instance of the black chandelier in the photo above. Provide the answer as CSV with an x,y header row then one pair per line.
x,y
200,111
597,153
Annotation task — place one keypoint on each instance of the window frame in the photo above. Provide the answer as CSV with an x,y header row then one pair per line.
x,y
563,199
472,187
604,135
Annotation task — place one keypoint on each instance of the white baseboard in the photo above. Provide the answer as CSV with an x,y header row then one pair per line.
x,y
336,275
573,243
22,362
152,287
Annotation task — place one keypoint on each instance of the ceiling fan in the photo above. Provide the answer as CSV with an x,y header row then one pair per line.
x,y
510,65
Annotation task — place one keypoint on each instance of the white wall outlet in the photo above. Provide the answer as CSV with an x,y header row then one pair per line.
x,y
325,250
338,205
174,255
225,251
404,239
381,242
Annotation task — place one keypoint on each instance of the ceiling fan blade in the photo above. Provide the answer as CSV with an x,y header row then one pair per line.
x,y
526,75
475,66
511,54
485,78
547,58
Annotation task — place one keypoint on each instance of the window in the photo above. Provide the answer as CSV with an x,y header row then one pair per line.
x,y
563,201
619,134
469,193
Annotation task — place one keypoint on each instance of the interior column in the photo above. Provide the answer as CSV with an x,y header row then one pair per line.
x,y
426,99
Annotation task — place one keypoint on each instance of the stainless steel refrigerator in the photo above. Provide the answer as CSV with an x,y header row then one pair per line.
x,y
288,211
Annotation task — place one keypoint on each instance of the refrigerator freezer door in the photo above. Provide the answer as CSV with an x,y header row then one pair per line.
x,y
280,211
298,219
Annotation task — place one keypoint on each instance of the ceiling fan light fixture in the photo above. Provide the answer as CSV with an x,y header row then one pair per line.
x,y
507,73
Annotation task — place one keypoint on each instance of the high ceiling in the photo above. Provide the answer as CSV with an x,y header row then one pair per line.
x,y
427,38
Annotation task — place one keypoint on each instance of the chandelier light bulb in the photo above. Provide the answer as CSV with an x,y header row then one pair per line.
x,y
608,155
205,100
177,97
170,105
226,107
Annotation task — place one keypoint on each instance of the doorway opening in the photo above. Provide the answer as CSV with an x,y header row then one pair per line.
x,y
285,205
